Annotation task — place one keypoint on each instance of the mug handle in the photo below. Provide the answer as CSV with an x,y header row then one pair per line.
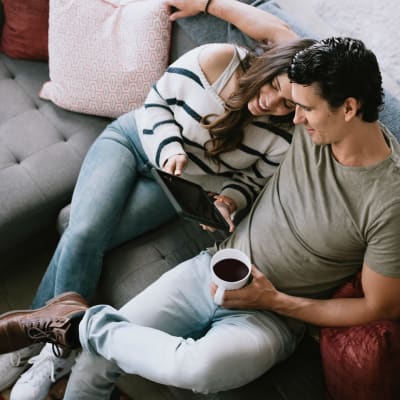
x,y
219,295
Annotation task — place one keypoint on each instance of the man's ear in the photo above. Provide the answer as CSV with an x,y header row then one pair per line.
x,y
350,108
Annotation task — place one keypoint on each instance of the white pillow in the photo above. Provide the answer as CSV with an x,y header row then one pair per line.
x,y
104,55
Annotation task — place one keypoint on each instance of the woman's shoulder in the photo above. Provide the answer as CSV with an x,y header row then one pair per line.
x,y
214,58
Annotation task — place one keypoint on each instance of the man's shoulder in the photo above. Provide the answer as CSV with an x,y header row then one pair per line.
x,y
394,144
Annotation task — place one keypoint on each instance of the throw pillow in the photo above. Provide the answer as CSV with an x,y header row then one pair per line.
x,y
25,30
361,362
104,55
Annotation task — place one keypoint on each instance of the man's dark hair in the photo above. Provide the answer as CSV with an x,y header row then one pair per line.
x,y
342,68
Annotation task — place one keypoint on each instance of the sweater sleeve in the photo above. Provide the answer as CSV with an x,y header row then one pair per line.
x,y
169,99
160,133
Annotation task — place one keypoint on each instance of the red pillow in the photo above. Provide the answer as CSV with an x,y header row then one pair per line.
x,y
361,362
25,30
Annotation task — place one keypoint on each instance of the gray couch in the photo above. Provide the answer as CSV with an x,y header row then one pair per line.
x,y
41,149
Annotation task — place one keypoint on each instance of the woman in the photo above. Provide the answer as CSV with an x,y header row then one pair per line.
x,y
210,119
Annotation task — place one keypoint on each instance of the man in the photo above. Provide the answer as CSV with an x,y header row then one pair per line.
x,y
332,209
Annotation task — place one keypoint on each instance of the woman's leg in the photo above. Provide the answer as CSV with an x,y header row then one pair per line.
x,y
185,340
115,172
92,378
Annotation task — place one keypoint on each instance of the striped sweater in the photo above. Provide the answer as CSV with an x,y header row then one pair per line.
x,y
169,124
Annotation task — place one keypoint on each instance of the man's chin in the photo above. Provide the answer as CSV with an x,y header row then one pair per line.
x,y
316,140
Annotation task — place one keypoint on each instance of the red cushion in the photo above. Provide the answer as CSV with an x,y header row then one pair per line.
x,y
361,362
25,31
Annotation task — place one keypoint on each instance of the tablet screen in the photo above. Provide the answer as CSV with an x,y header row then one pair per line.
x,y
190,199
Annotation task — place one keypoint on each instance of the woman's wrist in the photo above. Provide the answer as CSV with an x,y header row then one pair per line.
x,y
207,6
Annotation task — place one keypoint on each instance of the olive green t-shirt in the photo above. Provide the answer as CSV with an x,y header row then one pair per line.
x,y
316,220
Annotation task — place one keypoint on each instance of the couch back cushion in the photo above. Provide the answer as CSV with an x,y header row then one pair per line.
x,y
104,55
25,30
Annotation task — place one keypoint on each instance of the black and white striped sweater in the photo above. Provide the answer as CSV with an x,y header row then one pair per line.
x,y
169,124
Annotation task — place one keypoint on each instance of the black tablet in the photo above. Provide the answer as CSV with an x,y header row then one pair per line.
x,y
190,200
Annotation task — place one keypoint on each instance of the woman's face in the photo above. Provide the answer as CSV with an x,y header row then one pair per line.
x,y
273,98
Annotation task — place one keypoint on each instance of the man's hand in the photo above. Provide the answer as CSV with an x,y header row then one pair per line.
x,y
258,294
175,165
184,8
380,301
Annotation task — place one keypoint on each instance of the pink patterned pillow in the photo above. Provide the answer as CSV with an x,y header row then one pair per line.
x,y
104,55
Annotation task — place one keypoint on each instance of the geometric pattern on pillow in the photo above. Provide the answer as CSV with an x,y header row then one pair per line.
x,y
104,55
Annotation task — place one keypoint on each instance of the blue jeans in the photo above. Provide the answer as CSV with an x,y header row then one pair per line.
x,y
115,199
173,333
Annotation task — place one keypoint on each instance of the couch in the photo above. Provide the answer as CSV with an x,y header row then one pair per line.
x,y
41,149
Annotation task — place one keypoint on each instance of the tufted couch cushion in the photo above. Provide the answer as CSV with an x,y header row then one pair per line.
x,y
42,147
41,150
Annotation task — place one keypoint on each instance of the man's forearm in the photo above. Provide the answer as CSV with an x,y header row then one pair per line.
x,y
332,312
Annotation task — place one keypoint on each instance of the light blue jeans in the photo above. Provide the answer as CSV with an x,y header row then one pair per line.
x,y
115,199
173,333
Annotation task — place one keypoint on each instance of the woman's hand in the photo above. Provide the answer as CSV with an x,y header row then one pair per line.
x,y
259,294
176,164
185,8
227,216
226,206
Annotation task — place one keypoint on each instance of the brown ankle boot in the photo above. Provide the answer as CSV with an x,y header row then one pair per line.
x,y
57,322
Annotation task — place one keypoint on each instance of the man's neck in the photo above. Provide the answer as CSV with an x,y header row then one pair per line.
x,y
365,145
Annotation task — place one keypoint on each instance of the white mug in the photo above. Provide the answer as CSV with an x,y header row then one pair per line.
x,y
230,270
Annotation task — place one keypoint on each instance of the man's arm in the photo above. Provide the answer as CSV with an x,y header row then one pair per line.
x,y
258,24
381,301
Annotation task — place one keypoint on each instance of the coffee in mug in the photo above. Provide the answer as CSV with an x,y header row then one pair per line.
x,y
230,269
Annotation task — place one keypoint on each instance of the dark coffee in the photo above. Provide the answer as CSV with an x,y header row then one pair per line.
x,y
230,270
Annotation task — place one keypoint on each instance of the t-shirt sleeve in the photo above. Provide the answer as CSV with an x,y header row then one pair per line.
x,y
383,245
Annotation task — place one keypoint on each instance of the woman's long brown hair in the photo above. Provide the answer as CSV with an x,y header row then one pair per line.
x,y
227,129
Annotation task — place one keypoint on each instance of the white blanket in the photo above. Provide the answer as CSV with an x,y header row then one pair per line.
x,y
375,22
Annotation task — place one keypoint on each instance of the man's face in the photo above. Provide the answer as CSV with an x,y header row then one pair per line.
x,y
324,124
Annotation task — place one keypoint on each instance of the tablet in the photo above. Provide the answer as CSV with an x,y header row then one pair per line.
x,y
190,200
